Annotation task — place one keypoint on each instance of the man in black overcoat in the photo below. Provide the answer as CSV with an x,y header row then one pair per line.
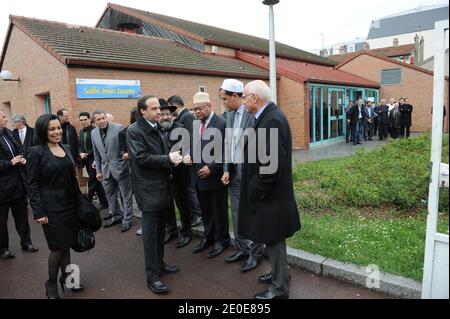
x,y
12,191
150,162
267,209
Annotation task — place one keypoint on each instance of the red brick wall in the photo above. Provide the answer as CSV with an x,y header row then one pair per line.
x,y
291,99
160,84
416,85
39,72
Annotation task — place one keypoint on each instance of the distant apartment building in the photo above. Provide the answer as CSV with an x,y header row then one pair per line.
x,y
356,45
410,27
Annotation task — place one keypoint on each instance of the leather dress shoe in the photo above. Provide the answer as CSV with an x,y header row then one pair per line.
x,y
157,286
269,294
218,249
267,278
168,269
7,255
237,256
125,227
183,241
112,222
30,248
250,264
204,244
169,237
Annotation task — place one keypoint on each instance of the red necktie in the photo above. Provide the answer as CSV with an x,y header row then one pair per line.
x,y
202,128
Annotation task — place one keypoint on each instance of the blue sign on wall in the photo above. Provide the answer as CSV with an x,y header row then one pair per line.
x,y
108,89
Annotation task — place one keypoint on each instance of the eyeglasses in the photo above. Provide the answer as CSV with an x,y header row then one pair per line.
x,y
200,108
247,96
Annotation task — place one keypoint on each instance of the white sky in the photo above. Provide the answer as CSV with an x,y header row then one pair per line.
x,y
298,23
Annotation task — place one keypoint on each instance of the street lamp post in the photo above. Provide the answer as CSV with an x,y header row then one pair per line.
x,y
272,51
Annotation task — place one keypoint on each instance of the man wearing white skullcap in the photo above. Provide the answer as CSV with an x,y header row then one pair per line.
x,y
212,194
238,120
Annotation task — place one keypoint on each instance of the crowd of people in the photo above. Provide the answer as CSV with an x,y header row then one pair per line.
x,y
365,120
39,169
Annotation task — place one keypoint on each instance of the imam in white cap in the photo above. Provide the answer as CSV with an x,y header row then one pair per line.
x,y
232,85
201,97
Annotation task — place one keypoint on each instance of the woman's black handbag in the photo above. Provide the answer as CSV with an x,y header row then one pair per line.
x,y
85,239
88,214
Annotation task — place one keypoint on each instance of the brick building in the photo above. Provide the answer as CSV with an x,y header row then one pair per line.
x,y
165,56
400,80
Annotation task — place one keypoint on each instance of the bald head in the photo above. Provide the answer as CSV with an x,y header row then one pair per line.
x,y
256,95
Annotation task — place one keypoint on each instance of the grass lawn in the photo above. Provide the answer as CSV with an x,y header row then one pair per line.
x,y
370,208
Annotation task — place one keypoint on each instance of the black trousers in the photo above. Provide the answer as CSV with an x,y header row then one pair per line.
x,y
382,131
94,186
18,208
214,206
405,131
153,232
182,199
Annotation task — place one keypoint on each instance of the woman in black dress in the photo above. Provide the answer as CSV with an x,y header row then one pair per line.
x,y
52,187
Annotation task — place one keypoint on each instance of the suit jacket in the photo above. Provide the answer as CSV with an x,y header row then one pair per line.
x,y
267,209
213,182
368,117
383,114
108,159
12,178
47,189
186,119
70,138
29,138
88,149
353,114
150,166
406,114
246,122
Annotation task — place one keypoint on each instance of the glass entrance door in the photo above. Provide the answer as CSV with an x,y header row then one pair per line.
x,y
336,118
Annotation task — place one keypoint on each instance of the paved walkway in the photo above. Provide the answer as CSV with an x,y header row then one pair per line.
x,y
115,269
336,150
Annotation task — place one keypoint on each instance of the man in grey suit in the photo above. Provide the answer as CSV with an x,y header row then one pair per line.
x,y
112,170
237,121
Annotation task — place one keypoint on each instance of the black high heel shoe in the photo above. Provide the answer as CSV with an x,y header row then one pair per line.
x,y
62,281
51,291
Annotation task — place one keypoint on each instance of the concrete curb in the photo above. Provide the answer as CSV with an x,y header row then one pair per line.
x,y
393,285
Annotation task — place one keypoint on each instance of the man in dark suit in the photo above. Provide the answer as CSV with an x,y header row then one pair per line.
x,y
207,174
12,191
70,136
406,110
238,120
22,132
186,118
150,162
356,121
87,158
267,209
383,120
369,118
180,177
